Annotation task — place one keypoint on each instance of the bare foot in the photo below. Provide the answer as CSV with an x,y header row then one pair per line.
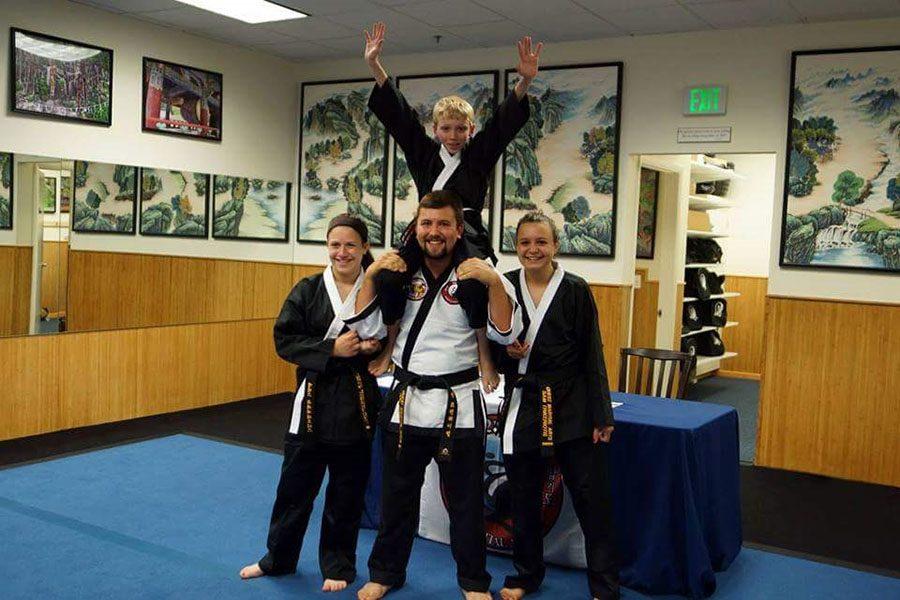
x,y
372,591
512,594
252,572
477,595
333,585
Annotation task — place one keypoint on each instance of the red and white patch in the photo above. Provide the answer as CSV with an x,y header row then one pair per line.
x,y
448,292
417,289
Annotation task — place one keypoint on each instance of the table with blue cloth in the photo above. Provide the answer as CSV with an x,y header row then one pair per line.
x,y
676,493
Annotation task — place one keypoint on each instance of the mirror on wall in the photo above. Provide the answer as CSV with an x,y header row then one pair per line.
x,y
92,246
34,242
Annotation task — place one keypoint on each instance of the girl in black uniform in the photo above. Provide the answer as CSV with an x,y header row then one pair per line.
x,y
333,415
557,404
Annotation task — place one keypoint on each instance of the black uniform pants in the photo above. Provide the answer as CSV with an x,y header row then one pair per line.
x,y
401,492
302,473
584,470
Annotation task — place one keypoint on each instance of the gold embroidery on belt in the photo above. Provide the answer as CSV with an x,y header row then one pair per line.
x,y
401,404
546,416
362,401
310,387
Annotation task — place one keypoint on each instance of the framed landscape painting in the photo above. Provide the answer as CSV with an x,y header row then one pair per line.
x,y
564,162
343,159
174,203
247,208
647,198
105,198
181,100
422,92
6,190
842,179
61,79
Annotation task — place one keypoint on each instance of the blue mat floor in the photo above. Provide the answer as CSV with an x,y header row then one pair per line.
x,y
177,517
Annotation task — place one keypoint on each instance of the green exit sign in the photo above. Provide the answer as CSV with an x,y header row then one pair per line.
x,y
705,100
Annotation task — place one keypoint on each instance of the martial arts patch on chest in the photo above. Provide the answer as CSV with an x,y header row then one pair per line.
x,y
417,288
448,292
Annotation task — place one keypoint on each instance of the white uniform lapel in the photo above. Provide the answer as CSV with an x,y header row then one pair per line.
x,y
450,164
536,315
334,329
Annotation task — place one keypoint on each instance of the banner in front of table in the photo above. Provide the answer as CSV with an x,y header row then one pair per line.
x,y
563,540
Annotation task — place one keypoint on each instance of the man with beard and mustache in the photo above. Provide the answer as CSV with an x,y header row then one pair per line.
x,y
435,408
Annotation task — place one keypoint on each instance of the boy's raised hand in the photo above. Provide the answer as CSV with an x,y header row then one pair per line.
x,y
374,42
528,60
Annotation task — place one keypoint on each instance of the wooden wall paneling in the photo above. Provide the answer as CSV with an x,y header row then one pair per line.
x,y
15,289
643,318
53,276
266,287
98,376
303,271
29,380
747,338
613,306
225,294
173,373
188,290
831,407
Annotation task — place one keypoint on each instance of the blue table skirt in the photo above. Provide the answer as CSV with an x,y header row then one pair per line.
x,y
676,493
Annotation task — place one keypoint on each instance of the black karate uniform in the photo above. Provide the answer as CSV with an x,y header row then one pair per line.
x,y
470,180
340,439
565,374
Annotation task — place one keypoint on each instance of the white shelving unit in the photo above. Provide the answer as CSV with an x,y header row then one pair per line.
x,y
706,364
712,297
701,171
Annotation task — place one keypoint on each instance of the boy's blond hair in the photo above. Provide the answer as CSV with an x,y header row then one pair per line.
x,y
453,107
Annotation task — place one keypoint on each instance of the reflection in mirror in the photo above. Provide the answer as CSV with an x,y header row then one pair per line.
x,y
34,245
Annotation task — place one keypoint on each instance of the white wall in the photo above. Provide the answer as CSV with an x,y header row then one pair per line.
x,y
754,63
749,223
259,135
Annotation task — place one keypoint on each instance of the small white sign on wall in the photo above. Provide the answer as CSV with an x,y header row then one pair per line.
x,y
687,135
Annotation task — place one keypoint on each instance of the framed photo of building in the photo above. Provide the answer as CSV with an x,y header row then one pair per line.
x,y
60,79
343,159
841,206
478,88
246,208
181,100
647,199
174,203
564,162
105,198
6,190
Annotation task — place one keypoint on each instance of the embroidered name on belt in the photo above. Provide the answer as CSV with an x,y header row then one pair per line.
x,y
546,416
310,387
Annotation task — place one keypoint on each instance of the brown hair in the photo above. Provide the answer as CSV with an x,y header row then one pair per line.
x,y
357,225
536,216
440,199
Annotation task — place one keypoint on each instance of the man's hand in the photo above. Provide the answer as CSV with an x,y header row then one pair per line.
x,y
517,350
604,434
478,269
369,346
528,60
374,42
390,261
346,345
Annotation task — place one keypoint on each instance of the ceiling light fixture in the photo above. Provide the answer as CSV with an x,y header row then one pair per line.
x,y
248,11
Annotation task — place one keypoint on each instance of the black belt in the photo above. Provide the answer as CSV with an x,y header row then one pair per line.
x,y
310,395
405,379
542,382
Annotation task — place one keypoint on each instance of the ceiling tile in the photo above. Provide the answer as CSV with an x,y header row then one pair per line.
x,y
567,20
248,35
449,12
732,14
664,19
499,33
601,6
299,49
312,28
816,10
130,6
